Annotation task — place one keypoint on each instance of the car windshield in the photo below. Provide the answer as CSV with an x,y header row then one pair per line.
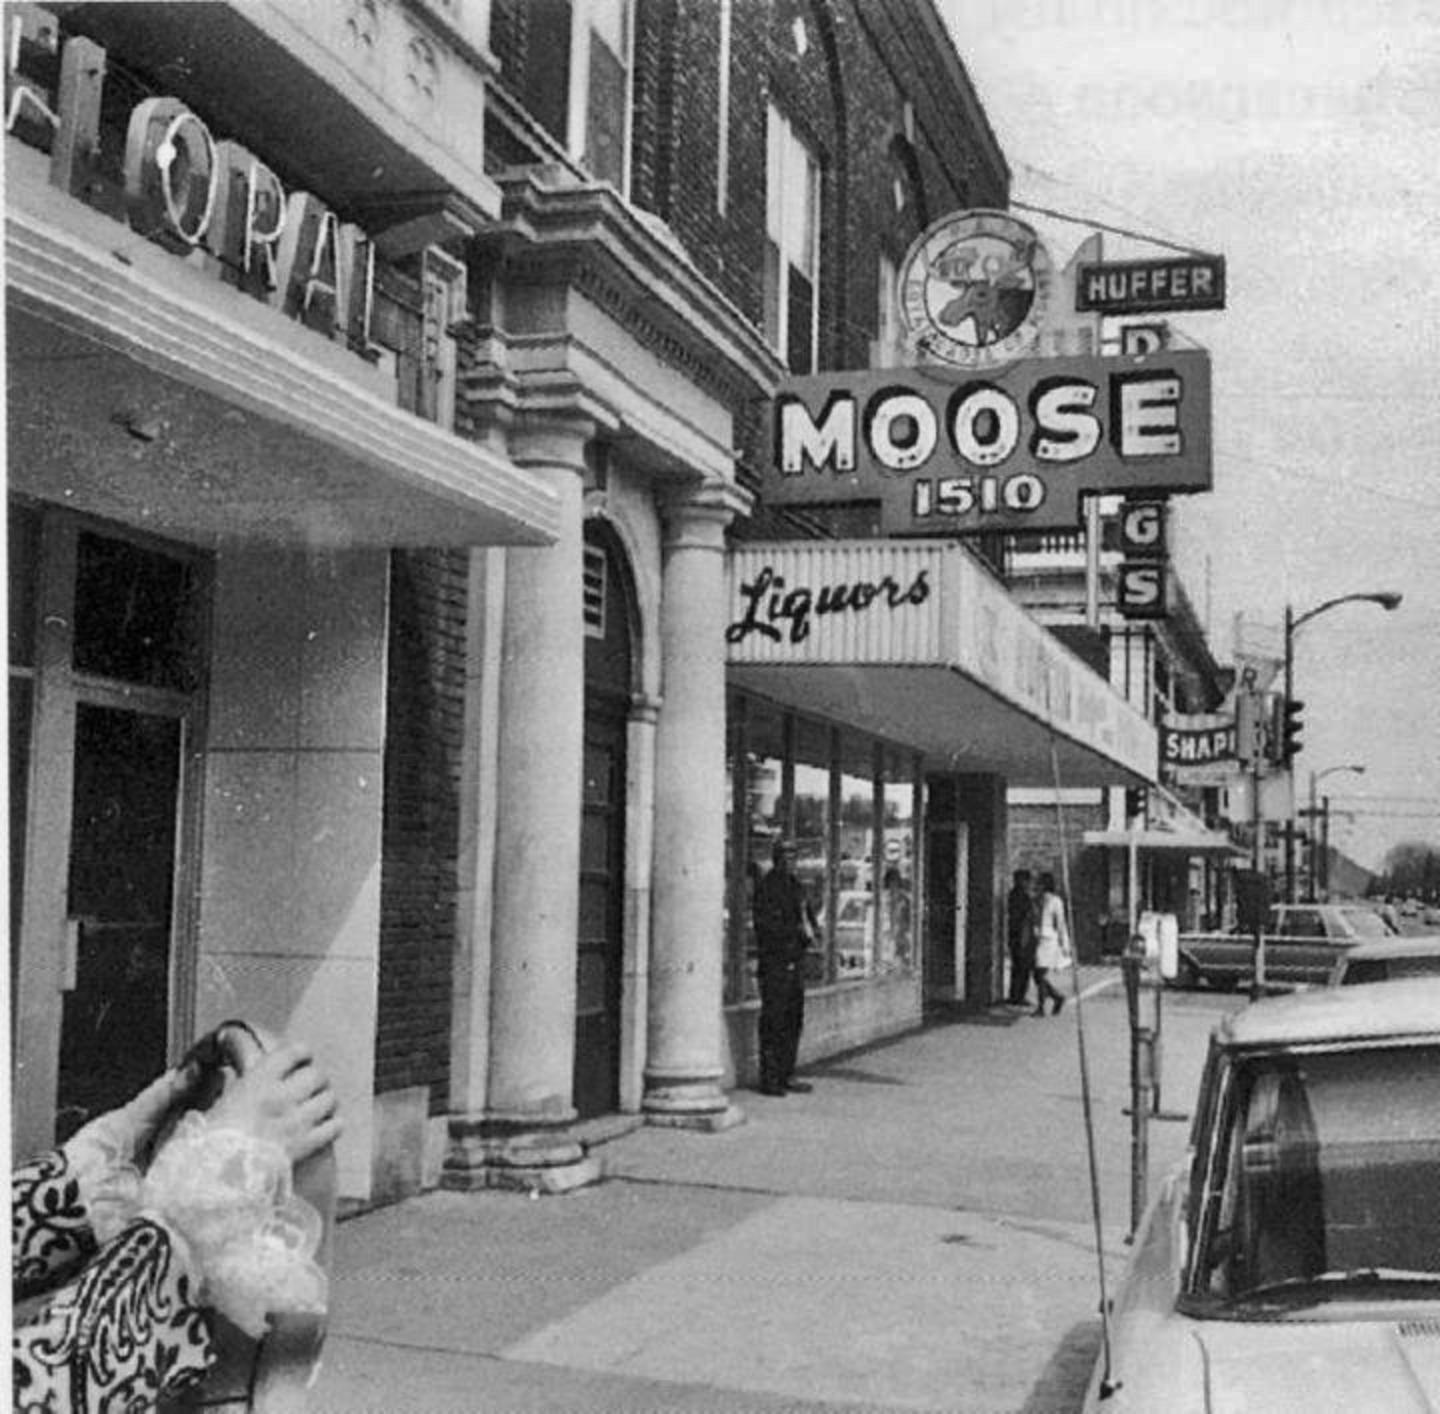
x,y
1366,923
1325,1183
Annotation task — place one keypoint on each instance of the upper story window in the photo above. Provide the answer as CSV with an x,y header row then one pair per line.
x,y
792,245
722,115
600,88
888,349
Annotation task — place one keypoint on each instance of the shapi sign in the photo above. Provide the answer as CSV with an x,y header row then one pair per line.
x,y
1197,748
1013,450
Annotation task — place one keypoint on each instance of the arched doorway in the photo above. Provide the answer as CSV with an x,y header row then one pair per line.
x,y
609,616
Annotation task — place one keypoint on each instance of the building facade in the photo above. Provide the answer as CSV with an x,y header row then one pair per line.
x,y
1166,848
387,386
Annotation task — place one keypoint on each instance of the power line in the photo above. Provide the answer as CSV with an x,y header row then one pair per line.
x,y
1096,225
1335,484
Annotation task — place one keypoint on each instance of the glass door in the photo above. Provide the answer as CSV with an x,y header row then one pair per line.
x,y
115,1013
105,675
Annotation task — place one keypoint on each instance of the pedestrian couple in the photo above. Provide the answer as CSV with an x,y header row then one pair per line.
x,y
1039,939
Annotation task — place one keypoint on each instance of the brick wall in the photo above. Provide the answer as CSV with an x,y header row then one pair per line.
x,y
423,733
845,95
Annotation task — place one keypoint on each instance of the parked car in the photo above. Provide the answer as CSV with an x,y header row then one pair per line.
x,y
1302,943
1387,960
1292,1261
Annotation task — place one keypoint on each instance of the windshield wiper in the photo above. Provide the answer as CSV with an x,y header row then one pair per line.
x,y
1336,1281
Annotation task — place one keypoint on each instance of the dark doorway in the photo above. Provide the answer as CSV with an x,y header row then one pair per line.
x,y
600,946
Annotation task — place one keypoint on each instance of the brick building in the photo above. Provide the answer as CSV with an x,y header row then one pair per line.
x,y
388,388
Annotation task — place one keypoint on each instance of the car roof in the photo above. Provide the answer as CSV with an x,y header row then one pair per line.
x,y
1370,1011
1395,947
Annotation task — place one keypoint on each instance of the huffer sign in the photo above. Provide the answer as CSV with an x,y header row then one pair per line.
x,y
947,452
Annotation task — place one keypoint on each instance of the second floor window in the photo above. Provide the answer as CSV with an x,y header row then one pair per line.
x,y
604,110
792,245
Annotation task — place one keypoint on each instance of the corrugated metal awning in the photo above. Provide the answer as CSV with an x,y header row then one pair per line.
x,y
913,641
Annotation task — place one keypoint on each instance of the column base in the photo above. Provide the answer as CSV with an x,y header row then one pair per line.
x,y
708,1122
693,1104
529,1161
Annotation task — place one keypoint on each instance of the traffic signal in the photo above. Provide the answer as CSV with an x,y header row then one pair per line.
x,y
1135,801
1290,727
1249,727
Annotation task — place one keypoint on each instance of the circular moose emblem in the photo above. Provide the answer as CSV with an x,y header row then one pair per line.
x,y
974,289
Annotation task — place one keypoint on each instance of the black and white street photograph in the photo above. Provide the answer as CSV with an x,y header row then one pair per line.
x,y
723,706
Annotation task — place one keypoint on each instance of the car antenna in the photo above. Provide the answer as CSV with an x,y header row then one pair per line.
x,y
1108,1383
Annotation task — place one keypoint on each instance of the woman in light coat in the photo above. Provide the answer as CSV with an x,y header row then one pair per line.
x,y
1052,946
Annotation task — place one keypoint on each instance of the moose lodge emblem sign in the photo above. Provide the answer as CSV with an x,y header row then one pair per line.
x,y
974,290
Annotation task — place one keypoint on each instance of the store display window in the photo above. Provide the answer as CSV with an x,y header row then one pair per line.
x,y
850,802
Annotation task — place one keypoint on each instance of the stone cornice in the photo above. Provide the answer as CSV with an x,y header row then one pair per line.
x,y
556,231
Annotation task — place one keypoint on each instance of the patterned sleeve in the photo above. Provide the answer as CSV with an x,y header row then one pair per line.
x,y
50,1234
124,1331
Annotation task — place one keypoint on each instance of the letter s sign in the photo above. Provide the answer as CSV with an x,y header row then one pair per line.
x,y
1140,592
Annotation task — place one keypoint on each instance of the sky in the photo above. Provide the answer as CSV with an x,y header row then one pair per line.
x,y
1300,139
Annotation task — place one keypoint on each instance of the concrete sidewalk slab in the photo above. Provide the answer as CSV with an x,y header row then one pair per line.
x,y
841,1301
914,1234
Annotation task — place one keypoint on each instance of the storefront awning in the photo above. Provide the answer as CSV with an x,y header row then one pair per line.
x,y
1167,841
913,641
143,389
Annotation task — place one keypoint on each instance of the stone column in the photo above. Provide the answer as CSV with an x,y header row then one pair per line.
x,y
521,1139
684,1067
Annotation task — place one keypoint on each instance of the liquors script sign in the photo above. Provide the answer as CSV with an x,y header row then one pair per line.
x,y
947,452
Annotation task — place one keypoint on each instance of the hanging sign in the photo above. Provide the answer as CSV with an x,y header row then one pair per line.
x,y
1186,282
1197,748
1142,586
947,454
974,289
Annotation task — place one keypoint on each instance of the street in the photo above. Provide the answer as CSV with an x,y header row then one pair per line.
x,y
914,1234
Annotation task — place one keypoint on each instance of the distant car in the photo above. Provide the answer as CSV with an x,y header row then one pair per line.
x,y
1292,1261
1302,944
1410,908
1387,960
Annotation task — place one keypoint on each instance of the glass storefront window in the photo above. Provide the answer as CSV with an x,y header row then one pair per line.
x,y
896,907
757,768
812,835
855,866
851,805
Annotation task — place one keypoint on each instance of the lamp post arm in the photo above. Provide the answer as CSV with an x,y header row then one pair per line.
x,y
1387,600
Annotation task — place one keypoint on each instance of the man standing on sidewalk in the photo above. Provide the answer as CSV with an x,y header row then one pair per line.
x,y
1020,934
784,927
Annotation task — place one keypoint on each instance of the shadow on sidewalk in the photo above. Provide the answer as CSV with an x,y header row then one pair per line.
x,y
1066,1371
971,1014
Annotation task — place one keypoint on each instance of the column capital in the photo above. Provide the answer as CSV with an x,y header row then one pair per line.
x,y
696,517
554,437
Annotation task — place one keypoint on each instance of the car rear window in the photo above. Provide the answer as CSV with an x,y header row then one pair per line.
x,y
1329,1167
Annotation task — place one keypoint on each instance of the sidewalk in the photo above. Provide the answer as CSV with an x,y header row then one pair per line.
x,y
915,1234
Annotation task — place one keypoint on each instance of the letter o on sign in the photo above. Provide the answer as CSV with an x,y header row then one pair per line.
x,y
169,173
902,431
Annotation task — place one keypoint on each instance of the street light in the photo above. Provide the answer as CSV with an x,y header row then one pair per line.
x,y
1316,844
1387,599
